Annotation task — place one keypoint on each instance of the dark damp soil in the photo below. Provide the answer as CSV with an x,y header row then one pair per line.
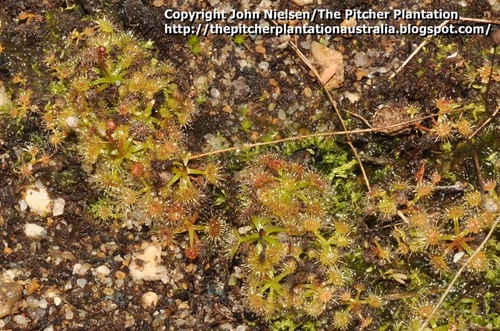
x,y
273,90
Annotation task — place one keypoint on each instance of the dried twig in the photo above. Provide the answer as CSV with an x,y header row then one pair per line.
x,y
458,186
454,280
334,104
478,168
358,117
426,40
403,217
315,135
479,20
495,113
422,44
488,120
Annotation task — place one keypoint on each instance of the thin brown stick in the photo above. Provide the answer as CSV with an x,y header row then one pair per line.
x,y
314,135
479,20
422,44
454,280
349,142
334,104
358,117
403,217
488,120
426,40
278,141
478,168
495,113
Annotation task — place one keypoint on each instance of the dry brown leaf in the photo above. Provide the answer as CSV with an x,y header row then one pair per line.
x,y
331,64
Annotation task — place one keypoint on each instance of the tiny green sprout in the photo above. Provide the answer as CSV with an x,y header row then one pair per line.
x,y
200,99
183,173
246,125
194,43
149,44
239,39
103,209
265,233
413,109
244,110
105,26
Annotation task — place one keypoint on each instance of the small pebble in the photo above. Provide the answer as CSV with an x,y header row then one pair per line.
x,y
120,275
226,327
33,230
81,282
308,92
58,208
458,256
244,229
33,286
4,97
23,205
57,301
264,65
42,303
83,270
38,200
21,320
260,49
10,294
71,122
69,315
183,305
254,136
149,299
147,265
490,205
281,114
109,291
214,92
305,44
103,270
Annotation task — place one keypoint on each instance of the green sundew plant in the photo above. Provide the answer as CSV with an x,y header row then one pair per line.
x,y
111,76
239,39
263,233
282,241
214,230
128,118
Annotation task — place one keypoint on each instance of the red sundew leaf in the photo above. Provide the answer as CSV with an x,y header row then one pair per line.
x,y
191,253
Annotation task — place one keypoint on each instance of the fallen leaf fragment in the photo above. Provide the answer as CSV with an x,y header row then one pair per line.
x,y
331,65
